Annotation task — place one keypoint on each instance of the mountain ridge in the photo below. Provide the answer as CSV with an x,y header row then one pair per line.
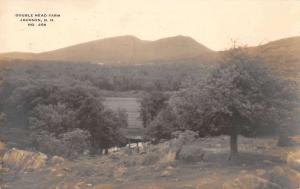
x,y
129,49
123,49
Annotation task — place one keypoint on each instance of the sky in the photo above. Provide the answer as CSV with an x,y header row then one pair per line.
x,y
214,23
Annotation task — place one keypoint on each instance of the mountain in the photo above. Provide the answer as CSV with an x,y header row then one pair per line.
x,y
283,54
125,49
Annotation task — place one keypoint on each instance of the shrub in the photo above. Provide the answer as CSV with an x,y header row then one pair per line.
x,y
151,104
163,125
64,110
55,119
69,144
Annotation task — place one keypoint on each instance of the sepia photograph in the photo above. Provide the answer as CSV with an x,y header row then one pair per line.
x,y
150,94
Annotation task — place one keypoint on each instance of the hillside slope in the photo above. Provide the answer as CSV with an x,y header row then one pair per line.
x,y
283,54
125,49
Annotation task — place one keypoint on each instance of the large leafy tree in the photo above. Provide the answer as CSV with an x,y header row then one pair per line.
x,y
104,125
241,96
151,104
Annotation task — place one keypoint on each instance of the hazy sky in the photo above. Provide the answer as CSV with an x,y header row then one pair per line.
x,y
213,23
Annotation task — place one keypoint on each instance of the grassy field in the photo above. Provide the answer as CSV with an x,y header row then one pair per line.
x,y
130,105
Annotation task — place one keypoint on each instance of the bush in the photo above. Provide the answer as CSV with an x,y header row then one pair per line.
x,y
55,119
191,153
151,104
69,144
63,110
163,125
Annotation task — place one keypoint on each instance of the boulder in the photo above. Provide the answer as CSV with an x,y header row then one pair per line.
x,y
191,153
2,149
248,181
57,160
167,151
104,186
162,153
293,160
151,158
171,148
167,157
285,177
119,172
165,173
24,160
260,172
2,146
168,171
295,139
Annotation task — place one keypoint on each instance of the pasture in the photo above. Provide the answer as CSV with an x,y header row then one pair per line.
x,y
130,105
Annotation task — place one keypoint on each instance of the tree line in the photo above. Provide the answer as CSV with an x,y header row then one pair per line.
x,y
61,103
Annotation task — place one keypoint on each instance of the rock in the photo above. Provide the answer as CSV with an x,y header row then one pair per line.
x,y
171,146
260,172
103,186
218,145
151,158
24,160
168,157
293,160
191,153
166,173
114,157
248,181
166,152
129,162
126,151
2,146
57,160
295,139
120,172
285,177
57,171
170,168
4,170
78,185
181,138
163,153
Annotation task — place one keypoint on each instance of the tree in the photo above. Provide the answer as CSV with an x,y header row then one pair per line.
x,y
163,125
104,125
239,97
55,119
151,104
87,115
69,144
